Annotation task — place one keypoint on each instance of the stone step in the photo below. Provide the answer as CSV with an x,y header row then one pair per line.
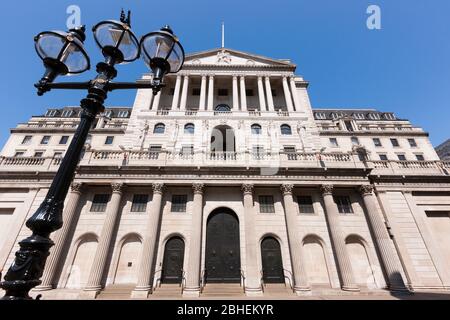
x,y
222,290
116,292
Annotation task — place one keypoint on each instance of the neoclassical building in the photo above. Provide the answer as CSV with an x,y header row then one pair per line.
x,y
228,182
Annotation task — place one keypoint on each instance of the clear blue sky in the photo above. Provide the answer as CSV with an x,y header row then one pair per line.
x,y
404,68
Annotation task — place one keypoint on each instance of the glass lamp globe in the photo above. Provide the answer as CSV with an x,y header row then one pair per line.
x,y
117,41
162,52
63,52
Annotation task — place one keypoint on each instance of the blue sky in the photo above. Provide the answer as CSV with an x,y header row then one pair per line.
x,y
404,67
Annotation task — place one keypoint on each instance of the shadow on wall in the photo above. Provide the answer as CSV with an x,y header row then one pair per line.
x,y
420,295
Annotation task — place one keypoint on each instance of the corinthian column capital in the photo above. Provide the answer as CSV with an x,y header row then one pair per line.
x,y
287,188
327,189
117,187
198,188
158,187
76,187
247,188
366,189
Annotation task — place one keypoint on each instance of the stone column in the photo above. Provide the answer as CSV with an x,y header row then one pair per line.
x,y
61,238
94,284
337,239
295,243
297,103
176,93
287,95
235,93
156,99
202,102
184,93
243,94
145,279
382,240
269,95
262,99
211,93
195,247
252,274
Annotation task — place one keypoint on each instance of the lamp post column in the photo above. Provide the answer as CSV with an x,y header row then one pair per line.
x,y
94,284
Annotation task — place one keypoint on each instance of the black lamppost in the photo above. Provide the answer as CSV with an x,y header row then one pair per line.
x,y
63,54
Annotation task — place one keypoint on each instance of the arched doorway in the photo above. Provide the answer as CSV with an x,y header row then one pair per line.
x,y
172,270
272,263
127,264
223,143
82,262
360,261
223,259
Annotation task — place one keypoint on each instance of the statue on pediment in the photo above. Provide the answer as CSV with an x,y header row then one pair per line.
x,y
223,57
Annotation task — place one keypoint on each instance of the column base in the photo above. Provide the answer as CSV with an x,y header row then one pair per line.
x,y
350,288
253,292
302,291
138,293
191,292
43,288
89,293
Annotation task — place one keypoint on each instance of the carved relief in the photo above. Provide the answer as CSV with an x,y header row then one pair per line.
x,y
327,189
247,188
198,188
117,187
223,57
366,189
76,187
158,187
286,189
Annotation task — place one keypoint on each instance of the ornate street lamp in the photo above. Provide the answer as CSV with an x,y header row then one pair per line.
x,y
64,54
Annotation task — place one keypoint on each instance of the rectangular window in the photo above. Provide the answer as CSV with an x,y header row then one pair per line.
x,y
401,157
100,202
412,143
19,154
196,92
187,150
355,141
155,148
334,142
305,204
266,204
45,140
343,203
420,157
27,139
249,93
395,142
383,157
109,140
348,125
57,155
258,152
139,203
377,142
222,92
38,154
179,202
64,140
274,93
290,152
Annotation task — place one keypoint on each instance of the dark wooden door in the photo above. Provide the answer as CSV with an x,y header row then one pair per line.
x,y
223,260
172,270
272,263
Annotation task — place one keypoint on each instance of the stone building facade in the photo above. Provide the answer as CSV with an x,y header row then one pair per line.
x,y
443,150
229,178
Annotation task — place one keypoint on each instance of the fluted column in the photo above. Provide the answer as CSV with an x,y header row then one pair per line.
x,y
252,274
297,103
61,238
176,93
211,93
202,102
155,103
243,94
145,280
295,243
269,95
94,284
235,93
338,241
262,99
195,248
287,95
382,240
184,93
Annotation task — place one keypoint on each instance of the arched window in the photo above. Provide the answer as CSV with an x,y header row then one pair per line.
x,y
256,129
286,129
159,128
189,128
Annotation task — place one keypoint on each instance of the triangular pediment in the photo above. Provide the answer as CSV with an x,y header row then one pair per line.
x,y
230,57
